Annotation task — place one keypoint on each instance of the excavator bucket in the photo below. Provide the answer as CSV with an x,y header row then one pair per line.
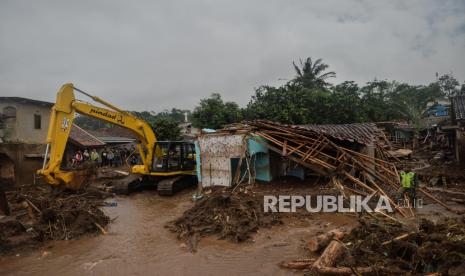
x,y
80,180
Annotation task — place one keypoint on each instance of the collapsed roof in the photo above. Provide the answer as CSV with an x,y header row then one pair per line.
x,y
362,133
458,107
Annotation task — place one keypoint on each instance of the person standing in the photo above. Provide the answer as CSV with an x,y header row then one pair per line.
x,y
104,158
117,158
110,157
77,158
408,182
94,156
123,156
86,155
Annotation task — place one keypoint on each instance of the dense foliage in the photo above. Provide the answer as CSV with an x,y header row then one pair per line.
x,y
214,113
309,98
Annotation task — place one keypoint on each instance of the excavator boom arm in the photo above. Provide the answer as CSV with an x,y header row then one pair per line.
x,y
61,120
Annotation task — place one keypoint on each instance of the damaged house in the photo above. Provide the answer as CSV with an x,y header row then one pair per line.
x,y
457,128
221,151
353,158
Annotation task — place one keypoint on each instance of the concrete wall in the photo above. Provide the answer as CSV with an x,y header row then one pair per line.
x,y
7,171
21,129
24,167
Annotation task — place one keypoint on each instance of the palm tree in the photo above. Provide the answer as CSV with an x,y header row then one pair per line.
x,y
310,74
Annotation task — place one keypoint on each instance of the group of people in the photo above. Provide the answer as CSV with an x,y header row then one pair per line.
x,y
113,157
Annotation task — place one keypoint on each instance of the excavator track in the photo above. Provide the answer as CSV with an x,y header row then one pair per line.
x,y
172,185
126,185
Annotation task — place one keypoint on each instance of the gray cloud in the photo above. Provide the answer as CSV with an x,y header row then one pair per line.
x,y
152,55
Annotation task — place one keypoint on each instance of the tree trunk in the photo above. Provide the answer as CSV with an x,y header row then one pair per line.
x,y
321,241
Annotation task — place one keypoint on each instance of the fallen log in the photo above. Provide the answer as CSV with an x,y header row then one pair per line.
x,y
325,264
298,264
330,255
321,241
101,228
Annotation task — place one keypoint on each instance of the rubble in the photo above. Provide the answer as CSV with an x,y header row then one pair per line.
x,y
232,215
379,247
40,214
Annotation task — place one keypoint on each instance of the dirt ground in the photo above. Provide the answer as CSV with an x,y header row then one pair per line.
x,y
138,242
220,231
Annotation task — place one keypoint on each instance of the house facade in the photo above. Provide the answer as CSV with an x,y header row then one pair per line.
x,y
23,132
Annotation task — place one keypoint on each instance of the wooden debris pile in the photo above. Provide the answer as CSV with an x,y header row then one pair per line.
x,y
378,247
231,215
352,172
39,215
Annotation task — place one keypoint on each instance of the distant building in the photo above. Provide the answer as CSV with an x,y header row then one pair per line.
x,y
23,132
435,114
188,132
24,120
115,135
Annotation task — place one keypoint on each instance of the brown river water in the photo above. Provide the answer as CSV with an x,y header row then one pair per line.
x,y
138,244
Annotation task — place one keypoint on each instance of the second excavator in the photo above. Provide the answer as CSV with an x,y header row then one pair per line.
x,y
170,165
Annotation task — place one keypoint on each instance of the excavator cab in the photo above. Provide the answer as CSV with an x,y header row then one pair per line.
x,y
176,156
177,160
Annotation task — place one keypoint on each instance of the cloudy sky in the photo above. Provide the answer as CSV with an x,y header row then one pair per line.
x,y
152,55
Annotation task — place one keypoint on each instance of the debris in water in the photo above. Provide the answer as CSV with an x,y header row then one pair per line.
x,y
229,215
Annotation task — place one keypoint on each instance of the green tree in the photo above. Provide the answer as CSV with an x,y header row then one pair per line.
x,y
448,85
213,113
176,114
166,128
311,74
346,104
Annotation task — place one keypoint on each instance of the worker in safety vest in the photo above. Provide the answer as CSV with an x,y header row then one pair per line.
x,y
408,181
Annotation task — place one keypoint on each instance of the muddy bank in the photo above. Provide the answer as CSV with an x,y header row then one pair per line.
x,y
39,215
138,243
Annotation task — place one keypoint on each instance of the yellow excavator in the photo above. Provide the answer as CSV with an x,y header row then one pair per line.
x,y
170,165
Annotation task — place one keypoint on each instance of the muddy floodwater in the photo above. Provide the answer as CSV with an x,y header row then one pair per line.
x,y
138,244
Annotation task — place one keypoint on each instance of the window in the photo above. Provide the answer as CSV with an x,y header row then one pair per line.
x,y
37,121
9,112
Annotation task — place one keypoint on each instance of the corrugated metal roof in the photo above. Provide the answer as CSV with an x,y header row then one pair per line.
x,y
112,139
84,138
458,106
362,133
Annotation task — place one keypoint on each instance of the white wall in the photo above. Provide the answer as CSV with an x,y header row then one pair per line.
x,y
216,152
21,128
